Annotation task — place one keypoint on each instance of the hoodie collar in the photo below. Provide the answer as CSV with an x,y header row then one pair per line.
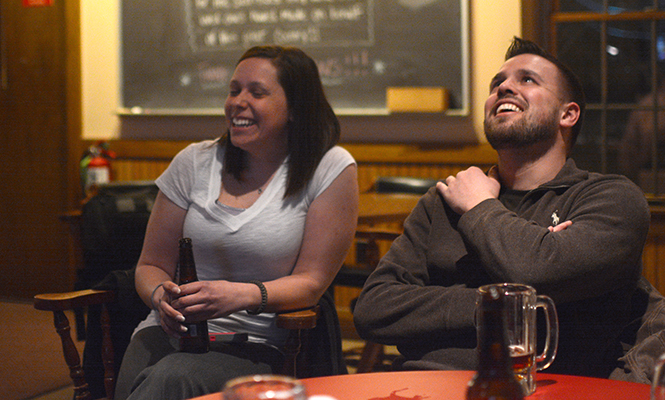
x,y
567,176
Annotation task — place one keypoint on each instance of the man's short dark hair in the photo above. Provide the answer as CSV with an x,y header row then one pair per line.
x,y
573,87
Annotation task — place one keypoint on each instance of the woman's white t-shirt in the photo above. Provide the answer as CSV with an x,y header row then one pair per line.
x,y
261,242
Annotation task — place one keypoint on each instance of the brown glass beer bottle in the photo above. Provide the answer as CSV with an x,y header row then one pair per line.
x,y
196,339
494,379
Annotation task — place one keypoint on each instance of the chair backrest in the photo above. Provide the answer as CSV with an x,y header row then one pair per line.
x,y
124,315
403,184
113,224
644,337
323,355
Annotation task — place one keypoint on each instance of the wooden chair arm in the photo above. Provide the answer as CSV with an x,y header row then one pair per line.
x,y
372,237
58,303
301,319
297,322
71,300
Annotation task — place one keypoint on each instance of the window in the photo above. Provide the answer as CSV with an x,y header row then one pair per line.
x,y
617,48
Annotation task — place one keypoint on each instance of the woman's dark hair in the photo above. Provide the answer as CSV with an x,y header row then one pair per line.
x,y
573,87
313,127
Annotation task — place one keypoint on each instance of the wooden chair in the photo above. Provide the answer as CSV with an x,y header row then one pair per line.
x,y
403,184
299,323
372,354
109,233
374,241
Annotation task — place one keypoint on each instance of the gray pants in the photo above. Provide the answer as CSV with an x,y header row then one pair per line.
x,y
152,368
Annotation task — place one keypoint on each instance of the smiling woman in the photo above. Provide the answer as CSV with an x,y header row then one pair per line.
x,y
257,112
288,83
257,207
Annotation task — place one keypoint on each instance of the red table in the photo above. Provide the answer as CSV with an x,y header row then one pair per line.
x,y
451,385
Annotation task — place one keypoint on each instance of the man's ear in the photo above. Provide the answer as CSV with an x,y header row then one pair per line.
x,y
569,115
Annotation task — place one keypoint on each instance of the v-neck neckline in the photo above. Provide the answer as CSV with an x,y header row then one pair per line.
x,y
236,220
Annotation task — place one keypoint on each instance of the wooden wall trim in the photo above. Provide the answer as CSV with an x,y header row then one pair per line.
x,y
535,21
481,154
147,149
74,114
414,154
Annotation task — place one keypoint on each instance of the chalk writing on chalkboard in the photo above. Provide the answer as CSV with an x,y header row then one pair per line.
x,y
239,24
179,55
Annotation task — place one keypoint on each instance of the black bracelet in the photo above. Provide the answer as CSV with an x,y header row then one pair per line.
x,y
264,298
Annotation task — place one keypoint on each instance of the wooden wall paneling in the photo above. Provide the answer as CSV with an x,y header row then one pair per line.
x,y
138,170
653,257
36,58
145,160
139,160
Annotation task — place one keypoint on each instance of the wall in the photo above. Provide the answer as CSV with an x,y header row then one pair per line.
x,y
492,24
100,75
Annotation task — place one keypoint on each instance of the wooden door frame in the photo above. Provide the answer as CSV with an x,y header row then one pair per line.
x,y
536,21
74,105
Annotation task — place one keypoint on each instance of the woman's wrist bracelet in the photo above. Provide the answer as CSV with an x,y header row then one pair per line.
x,y
152,302
264,298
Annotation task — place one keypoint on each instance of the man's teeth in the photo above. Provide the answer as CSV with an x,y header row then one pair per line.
x,y
241,122
508,107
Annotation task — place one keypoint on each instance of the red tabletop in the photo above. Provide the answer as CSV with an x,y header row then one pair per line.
x,y
451,385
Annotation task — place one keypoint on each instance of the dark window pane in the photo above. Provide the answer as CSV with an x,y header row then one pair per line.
x,y
629,5
578,46
577,5
628,50
587,150
589,147
616,125
614,6
635,147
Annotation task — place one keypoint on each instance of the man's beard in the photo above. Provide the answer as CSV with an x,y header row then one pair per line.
x,y
523,133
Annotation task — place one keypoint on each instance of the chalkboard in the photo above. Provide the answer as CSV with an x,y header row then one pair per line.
x,y
178,55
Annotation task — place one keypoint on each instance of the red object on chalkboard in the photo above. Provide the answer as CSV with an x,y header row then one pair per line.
x,y
37,3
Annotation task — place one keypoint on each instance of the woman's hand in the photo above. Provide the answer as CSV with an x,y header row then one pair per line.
x,y
170,319
202,300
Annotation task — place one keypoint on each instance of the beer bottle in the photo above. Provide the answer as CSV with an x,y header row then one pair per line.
x,y
196,339
494,379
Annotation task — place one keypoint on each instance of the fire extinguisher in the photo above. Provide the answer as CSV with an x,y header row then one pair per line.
x,y
96,167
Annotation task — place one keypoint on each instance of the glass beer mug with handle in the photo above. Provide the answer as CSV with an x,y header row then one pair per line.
x,y
522,303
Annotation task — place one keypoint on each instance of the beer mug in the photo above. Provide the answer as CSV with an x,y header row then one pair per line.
x,y
658,383
521,305
260,387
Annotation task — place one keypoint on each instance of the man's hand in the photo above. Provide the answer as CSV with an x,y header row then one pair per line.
x,y
469,188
